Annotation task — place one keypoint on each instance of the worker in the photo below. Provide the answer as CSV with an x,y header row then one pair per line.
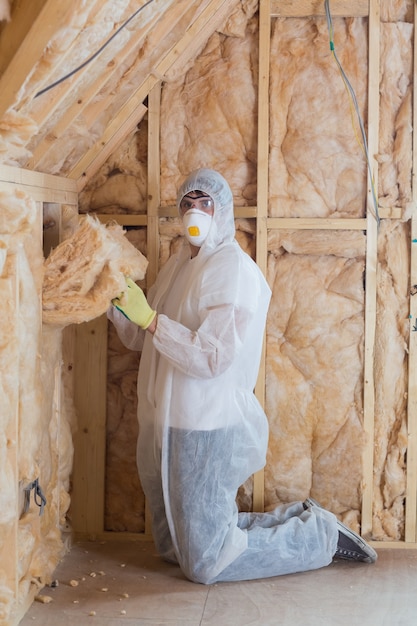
x,y
202,432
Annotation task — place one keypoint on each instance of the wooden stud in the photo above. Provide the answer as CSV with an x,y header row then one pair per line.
x,y
411,489
90,391
50,229
371,270
262,202
154,183
154,200
263,134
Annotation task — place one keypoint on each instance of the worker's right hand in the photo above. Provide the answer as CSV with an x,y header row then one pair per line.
x,y
133,304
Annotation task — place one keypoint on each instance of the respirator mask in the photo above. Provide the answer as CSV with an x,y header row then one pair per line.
x,y
196,212
196,226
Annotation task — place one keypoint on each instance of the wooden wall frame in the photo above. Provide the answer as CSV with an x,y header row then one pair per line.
x,y
88,478
270,9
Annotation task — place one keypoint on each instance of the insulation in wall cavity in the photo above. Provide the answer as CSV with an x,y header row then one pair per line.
x,y
317,168
36,443
395,124
314,380
124,507
391,376
208,117
120,185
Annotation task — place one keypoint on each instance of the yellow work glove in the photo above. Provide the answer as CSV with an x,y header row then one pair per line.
x,y
133,304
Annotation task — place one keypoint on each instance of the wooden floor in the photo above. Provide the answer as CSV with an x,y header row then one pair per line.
x,y
127,584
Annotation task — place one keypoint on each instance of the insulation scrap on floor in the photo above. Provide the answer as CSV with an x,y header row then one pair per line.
x,y
85,272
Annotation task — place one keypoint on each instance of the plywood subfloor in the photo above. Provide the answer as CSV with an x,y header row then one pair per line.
x,y
125,583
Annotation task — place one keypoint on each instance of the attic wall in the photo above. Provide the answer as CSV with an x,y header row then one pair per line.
x,y
315,331
37,415
318,171
316,325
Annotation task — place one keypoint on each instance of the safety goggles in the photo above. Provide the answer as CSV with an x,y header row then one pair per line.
x,y
203,203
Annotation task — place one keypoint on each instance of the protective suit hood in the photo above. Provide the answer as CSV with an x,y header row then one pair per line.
x,y
211,182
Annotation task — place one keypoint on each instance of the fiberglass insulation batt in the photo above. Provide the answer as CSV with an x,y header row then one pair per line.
x,y
86,271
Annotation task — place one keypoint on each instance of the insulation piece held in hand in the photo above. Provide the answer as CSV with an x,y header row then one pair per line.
x,y
86,271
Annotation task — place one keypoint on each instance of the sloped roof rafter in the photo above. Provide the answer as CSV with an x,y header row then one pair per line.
x,y
84,98
41,110
213,14
23,41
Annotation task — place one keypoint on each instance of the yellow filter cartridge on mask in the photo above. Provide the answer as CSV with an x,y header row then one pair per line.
x,y
193,231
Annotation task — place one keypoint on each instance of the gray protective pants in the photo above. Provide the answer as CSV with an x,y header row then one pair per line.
x,y
196,523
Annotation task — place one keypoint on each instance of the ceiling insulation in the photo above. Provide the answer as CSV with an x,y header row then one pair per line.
x,y
75,75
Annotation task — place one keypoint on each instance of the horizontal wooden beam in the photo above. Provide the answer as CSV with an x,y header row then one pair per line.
x,y
122,219
310,8
392,213
24,176
43,194
42,187
315,223
239,211
142,220
273,223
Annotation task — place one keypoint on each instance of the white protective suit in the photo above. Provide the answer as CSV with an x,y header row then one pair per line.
x,y
202,432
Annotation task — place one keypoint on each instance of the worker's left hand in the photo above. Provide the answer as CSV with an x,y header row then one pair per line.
x,y
133,304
